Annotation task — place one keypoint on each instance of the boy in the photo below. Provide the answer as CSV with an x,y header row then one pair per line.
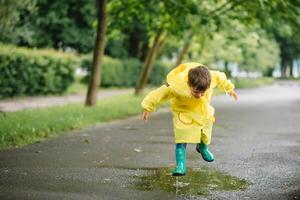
x,y
189,87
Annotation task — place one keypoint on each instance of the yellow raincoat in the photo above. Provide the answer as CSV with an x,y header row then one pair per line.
x,y
193,118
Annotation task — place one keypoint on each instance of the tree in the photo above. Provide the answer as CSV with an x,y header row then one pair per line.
x,y
62,24
288,40
11,18
249,47
273,16
281,20
151,56
127,35
91,98
157,18
205,23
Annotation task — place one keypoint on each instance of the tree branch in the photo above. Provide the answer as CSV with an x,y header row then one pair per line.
x,y
219,11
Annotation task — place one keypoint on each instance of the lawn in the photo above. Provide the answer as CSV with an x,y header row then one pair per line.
x,y
30,126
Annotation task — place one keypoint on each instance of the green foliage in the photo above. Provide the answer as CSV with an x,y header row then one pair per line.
x,y
153,15
141,20
116,45
261,56
12,24
280,19
159,72
132,25
251,83
125,72
29,126
249,47
33,72
52,24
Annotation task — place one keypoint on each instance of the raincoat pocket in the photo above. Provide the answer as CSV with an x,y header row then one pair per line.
x,y
184,119
185,128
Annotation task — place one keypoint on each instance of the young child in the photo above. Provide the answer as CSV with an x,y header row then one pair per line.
x,y
189,87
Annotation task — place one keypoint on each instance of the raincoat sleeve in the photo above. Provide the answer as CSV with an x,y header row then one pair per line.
x,y
223,83
156,97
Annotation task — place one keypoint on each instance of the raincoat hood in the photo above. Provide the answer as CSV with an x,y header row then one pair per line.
x,y
178,79
197,108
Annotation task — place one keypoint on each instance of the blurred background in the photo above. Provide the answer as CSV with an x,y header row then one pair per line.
x,y
46,47
246,39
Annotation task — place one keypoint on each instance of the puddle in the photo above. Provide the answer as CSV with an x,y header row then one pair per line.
x,y
197,181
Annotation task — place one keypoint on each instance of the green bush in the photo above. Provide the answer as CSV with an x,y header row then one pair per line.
x,y
34,72
132,70
159,72
125,72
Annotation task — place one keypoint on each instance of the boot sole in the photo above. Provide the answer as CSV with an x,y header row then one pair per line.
x,y
178,174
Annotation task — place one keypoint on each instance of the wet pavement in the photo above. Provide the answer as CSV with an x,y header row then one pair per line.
x,y
256,142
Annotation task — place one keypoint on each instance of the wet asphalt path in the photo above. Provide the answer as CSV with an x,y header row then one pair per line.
x,y
256,138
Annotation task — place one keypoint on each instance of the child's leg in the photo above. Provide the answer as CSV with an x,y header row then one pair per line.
x,y
180,153
206,133
202,147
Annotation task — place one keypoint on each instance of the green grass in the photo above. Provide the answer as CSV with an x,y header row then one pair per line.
x,y
79,88
250,83
76,88
30,126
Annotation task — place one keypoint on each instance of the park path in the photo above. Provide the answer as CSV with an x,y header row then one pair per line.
x,y
21,103
256,138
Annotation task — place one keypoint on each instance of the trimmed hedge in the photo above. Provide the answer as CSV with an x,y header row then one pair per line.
x,y
33,72
125,72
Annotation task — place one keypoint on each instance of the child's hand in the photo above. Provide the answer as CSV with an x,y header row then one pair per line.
x,y
234,95
145,116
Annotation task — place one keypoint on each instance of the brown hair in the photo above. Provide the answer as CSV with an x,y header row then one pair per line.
x,y
199,78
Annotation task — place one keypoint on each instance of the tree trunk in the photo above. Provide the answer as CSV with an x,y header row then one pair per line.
x,y
187,41
135,42
95,78
151,55
161,43
182,52
283,67
143,49
226,69
291,68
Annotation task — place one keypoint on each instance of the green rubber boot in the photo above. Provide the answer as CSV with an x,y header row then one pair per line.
x,y
206,154
180,168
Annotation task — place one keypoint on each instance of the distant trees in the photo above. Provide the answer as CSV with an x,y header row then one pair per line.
x,y
280,19
14,28
53,24
254,34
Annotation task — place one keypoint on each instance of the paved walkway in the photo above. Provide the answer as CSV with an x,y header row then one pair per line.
x,y
21,103
256,138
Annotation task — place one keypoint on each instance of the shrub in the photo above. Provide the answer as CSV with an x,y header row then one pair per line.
x,y
125,72
33,72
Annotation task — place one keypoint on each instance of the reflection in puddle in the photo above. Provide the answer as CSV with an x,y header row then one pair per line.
x,y
196,182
